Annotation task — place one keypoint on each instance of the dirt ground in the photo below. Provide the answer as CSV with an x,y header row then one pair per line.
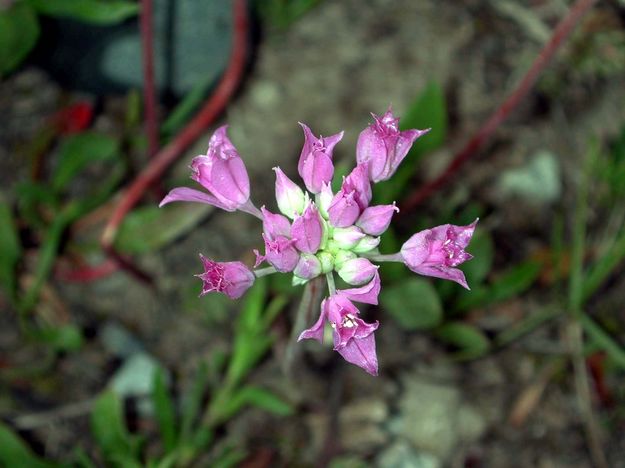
x,y
331,68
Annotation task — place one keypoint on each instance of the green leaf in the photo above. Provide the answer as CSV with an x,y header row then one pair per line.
x,y
253,306
11,250
255,396
414,303
192,403
110,432
64,338
165,412
99,12
228,458
470,341
79,151
151,228
15,453
251,339
19,31
427,111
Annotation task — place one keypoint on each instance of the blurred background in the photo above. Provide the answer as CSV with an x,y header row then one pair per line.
x,y
109,358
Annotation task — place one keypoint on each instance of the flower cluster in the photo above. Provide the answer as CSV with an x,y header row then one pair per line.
x,y
318,232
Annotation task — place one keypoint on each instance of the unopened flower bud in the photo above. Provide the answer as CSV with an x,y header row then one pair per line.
x,y
374,220
341,257
347,238
366,244
308,267
307,230
326,260
357,271
290,197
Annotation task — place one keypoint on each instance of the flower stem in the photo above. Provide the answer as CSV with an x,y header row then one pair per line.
x,y
264,272
331,285
396,257
250,208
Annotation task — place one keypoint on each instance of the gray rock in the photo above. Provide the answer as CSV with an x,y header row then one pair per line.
x,y
402,455
434,418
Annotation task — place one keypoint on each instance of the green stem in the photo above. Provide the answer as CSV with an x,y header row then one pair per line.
x,y
331,285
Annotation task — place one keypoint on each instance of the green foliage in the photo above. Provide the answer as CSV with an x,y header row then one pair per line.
x,y
150,228
414,303
11,250
427,111
470,341
97,12
14,452
282,13
19,25
19,31
258,397
118,446
185,108
77,152
164,410
64,338
513,282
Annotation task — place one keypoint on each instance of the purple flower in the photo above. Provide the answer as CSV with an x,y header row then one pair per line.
x,y
437,251
290,197
354,196
315,162
375,220
222,172
353,337
230,278
343,209
358,182
280,253
275,224
367,294
383,146
307,230
336,233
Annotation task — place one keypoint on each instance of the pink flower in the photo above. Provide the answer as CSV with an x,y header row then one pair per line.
x,y
383,146
307,230
367,294
334,234
375,220
290,197
280,253
275,224
222,172
230,278
315,162
343,210
437,251
353,337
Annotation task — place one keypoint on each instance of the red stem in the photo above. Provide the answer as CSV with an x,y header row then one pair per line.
x,y
560,33
166,156
149,93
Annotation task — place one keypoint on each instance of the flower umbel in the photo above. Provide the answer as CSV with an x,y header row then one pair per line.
x,y
337,232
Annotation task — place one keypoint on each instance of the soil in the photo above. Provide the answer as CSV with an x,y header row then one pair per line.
x,y
339,62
